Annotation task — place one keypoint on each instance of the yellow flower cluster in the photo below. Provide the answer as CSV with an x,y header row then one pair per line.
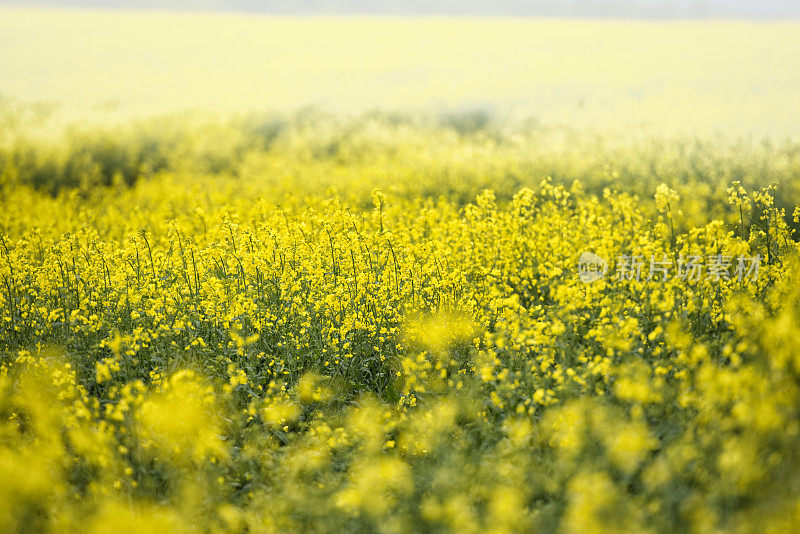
x,y
239,355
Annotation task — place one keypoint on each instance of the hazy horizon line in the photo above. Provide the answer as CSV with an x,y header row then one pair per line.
x,y
546,9
382,15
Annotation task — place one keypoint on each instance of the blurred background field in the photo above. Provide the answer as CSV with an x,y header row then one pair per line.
x,y
672,76
431,106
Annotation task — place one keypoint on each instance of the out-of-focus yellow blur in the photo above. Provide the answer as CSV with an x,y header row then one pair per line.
x,y
676,76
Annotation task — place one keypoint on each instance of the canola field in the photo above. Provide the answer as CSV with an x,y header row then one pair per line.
x,y
398,321
353,341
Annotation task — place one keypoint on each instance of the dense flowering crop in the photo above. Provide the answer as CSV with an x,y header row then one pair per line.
x,y
223,350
